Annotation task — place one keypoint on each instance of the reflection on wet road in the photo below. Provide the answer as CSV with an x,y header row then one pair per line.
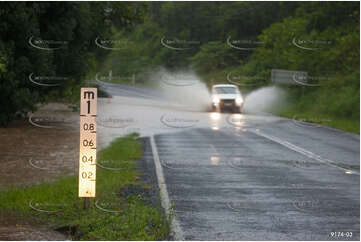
x,y
246,176
245,187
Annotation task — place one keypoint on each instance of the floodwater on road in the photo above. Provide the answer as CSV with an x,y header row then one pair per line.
x,y
46,147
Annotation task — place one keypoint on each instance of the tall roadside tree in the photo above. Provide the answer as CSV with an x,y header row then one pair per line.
x,y
53,40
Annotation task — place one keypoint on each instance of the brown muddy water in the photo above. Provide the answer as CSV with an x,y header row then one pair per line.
x,y
16,229
42,148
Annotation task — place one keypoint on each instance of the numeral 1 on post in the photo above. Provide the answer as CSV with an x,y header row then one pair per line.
x,y
88,138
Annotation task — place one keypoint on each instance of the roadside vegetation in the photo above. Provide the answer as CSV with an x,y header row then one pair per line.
x,y
314,109
65,53
247,39
121,210
348,125
320,38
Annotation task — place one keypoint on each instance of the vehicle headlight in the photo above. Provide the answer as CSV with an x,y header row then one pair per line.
x,y
239,100
215,100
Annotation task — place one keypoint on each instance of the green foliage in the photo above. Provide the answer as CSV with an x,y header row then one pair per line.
x,y
334,66
332,28
138,29
2,63
73,26
212,56
207,25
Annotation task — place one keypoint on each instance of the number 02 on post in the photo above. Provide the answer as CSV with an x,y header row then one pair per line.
x,y
88,135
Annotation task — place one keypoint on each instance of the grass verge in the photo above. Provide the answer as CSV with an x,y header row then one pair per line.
x,y
348,125
115,214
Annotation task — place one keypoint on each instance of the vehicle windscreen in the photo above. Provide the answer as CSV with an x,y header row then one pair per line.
x,y
226,90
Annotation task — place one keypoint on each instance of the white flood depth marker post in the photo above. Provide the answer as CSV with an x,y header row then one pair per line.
x,y
88,138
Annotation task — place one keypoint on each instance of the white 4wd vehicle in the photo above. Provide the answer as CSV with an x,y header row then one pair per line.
x,y
227,96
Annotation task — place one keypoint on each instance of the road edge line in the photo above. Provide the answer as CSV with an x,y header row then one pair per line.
x,y
302,151
175,226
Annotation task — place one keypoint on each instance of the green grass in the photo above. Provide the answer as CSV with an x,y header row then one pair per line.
x,y
348,125
132,216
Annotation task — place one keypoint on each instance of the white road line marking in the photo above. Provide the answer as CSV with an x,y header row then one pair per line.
x,y
175,226
300,150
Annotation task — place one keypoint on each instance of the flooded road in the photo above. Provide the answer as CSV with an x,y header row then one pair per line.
x,y
249,176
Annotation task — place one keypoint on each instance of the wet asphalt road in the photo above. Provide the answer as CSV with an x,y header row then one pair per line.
x,y
251,176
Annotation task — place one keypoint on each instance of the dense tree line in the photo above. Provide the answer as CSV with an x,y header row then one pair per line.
x,y
247,39
330,32
196,24
53,44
